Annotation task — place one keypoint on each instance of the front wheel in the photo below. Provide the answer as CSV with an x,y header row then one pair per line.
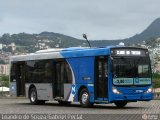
x,y
84,98
120,104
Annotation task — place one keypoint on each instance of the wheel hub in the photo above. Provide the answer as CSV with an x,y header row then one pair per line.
x,y
84,98
33,96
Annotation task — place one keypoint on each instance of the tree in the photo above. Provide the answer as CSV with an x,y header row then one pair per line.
x,y
4,81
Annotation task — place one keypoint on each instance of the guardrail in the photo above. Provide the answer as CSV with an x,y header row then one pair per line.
x,y
156,92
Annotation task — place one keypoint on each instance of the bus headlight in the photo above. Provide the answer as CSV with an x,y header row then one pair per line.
x,y
149,90
115,90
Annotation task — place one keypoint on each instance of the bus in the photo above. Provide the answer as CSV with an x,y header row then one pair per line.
x,y
113,74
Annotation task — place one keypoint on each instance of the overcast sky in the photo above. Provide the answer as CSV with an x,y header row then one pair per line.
x,y
99,19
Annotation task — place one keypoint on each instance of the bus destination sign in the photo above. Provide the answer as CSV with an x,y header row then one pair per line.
x,y
128,52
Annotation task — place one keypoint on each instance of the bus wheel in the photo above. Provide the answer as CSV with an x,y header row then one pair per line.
x,y
84,98
120,104
33,96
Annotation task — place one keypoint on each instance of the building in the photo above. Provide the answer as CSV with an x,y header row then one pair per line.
x,y
4,69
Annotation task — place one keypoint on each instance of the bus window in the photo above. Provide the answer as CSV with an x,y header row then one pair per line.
x,y
67,74
30,76
39,71
143,70
48,71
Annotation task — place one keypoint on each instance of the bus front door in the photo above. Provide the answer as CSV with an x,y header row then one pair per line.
x,y
18,76
101,79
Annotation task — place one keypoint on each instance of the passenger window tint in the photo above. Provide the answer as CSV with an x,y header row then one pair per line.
x,y
39,71
67,74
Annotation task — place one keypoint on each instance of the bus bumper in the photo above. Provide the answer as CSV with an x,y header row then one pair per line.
x,y
138,97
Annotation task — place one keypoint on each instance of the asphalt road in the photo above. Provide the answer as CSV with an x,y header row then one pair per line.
x,y
136,110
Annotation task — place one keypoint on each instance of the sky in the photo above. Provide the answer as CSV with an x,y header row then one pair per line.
x,y
99,19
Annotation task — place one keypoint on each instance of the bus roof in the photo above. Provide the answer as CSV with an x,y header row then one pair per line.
x,y
65,53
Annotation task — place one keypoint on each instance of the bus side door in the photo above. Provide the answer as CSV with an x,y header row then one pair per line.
x,y
101,78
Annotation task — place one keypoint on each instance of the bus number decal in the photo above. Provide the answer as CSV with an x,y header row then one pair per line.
x,y
122,81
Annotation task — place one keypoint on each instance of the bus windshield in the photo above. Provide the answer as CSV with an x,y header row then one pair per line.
x,y
131,71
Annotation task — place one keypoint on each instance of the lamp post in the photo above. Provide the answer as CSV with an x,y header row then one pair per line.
x,y
85,37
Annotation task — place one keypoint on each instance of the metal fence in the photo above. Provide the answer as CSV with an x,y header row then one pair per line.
x,y
156,92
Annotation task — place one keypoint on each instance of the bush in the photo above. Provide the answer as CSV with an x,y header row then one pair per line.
x,y
156,80
4,81
156,75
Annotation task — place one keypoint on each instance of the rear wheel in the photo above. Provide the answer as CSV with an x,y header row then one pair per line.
x,y
120,104
84,98
33,97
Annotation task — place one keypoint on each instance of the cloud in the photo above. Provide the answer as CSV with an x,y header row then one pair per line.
x,y
1,19
100,19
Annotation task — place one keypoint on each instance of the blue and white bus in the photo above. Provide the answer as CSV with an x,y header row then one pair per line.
x,y
87,75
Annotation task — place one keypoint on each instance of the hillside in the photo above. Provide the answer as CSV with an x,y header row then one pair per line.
x,y
32,42
152,31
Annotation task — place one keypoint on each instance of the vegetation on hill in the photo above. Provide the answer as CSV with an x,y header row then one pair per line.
x,y
32,42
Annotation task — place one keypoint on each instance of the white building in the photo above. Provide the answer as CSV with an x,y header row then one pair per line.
x,y
4,69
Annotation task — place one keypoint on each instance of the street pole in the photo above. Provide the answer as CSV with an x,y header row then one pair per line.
x,y
85,37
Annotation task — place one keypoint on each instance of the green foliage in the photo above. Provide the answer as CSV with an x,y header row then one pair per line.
x,y
30,42
156,75
156,80
156,83
4,81
152,42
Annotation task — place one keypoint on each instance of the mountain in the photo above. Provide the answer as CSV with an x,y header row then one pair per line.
x,y
55,36
32,42
152,31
